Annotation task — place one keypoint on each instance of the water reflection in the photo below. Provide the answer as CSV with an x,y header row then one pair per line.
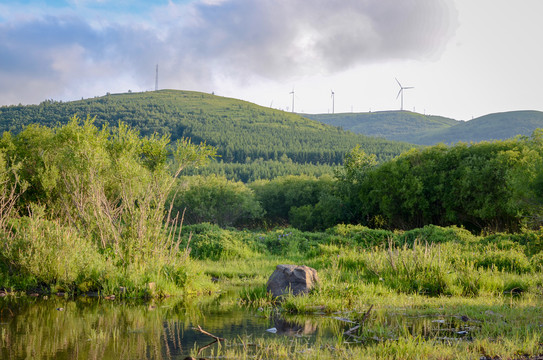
x,y
294,328
93,328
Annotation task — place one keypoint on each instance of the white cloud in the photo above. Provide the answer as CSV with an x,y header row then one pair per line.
x,y
202,44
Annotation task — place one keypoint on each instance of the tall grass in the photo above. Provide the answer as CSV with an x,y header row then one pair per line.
x,y
95,215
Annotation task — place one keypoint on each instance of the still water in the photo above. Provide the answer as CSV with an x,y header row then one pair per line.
x,y
94,328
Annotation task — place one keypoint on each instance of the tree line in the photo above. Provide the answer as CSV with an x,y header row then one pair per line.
x,y
487,186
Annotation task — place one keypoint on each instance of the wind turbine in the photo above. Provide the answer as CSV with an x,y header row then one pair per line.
x,y
292,93
333,100
402,88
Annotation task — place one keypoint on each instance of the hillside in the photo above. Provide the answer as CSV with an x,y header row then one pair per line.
x,y
391,125
497,126
428,130
242,131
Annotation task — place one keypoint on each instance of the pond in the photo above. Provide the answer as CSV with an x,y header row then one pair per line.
x,y
95,328
52,327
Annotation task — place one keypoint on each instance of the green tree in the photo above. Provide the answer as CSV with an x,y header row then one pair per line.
x,y
216,200
108,186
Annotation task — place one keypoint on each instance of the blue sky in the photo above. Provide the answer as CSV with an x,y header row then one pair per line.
x,y
464,58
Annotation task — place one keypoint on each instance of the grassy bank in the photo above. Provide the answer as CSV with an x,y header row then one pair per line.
x,y
477,296
431,261
440,293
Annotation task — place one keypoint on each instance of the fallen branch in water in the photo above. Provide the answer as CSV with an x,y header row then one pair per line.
x,y
208,334
217,339
364,318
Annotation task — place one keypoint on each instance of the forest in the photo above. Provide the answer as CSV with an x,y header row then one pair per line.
x,y
242,132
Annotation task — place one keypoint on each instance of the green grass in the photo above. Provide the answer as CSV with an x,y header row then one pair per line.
x,y
408,279
412,293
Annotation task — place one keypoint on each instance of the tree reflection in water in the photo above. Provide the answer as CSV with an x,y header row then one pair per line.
x,y
91,328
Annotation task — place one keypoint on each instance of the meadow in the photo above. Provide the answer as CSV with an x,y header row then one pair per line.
x,y
434,254
436,293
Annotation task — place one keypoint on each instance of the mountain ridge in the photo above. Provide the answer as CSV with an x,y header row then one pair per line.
x,y
429,129
241,131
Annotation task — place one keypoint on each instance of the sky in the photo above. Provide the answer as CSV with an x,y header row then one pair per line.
x,y
462,58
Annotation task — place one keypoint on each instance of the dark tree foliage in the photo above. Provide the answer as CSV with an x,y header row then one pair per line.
x,y
485,186
260,169
488,186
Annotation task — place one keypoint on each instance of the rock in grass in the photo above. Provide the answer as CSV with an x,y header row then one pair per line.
x,y
292,278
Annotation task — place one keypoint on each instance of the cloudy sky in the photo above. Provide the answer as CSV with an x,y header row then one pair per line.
x,y
464,58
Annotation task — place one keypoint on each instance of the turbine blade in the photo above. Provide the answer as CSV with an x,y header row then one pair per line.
x,y
398,82
399,92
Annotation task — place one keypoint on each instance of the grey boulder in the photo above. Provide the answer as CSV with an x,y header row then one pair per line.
x,y
292,278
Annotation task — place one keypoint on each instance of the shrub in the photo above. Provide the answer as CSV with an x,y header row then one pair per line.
x,y
531,241
55,254
302,217
102,194
361,235
504,260
537,262
279,196
211,242
216,200
436,234
291,242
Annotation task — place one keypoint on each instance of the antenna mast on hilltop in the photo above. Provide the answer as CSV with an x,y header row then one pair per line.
x,y
292,92
156,78
402,88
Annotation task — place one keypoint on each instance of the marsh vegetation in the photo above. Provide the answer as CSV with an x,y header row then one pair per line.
x,y
434,254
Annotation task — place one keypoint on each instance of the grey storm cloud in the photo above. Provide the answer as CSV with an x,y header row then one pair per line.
x,y
239,39
274,38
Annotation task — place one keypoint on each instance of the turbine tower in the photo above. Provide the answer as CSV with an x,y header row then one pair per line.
x,y
402,88
292,93
156,78
333,100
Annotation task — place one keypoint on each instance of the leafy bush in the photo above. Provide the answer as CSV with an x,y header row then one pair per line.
x,y
482,187
54,254
216,200
537,262
290,242
302,217
211,242
279,196
102,192
437,234
361,235
531,240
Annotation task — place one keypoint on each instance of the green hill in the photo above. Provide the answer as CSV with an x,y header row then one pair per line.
x,y
391,125
242,131
497,126
428,130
